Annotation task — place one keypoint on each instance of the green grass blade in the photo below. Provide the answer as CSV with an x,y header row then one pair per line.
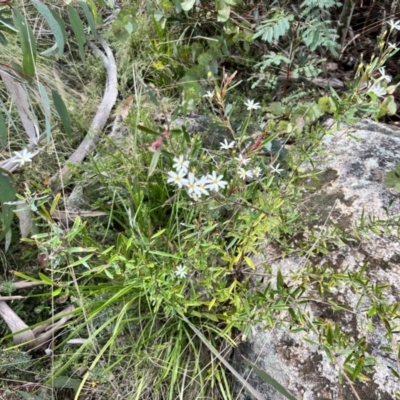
x,y
213,350
3,131
270,380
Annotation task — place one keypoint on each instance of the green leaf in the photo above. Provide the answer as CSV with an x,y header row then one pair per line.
x,y
3,131
77,27
249,262
6,22
45,279
89,18
60,22
51,51
3,39
358,368
154,162
187,5
46,109
7,194
62,112
224,11
55,27
279,280
28,43
270,380
147,130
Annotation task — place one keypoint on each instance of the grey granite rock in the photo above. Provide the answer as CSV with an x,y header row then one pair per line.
x,y
351,185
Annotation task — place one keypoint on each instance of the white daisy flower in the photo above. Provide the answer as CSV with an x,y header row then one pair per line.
x,y
378,90
382,71
191,184
242,160
215,182
180,271
392,46
23,157
178,178
276,169
251,105
209,94
226,146
245,174
181,164
202,186
394,24
256,172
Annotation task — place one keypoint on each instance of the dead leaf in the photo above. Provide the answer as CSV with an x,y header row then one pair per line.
x,y
20,97
24,215
125,107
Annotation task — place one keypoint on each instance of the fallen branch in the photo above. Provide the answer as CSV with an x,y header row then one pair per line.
x,y
99,120
22,285
16,324
37,337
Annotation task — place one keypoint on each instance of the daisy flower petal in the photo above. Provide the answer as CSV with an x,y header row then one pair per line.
x,y
23,157
252,105
215,182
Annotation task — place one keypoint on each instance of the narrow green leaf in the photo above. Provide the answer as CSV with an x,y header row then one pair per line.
x,y
270,380
163,254
46,109
6,23
62,112
8,115
154,162
28,43
26,277
89,18
217,354
77,27
358,368
147,130
54,25
3,40
61,23
45,279
3,131
7,194
279,280
50,51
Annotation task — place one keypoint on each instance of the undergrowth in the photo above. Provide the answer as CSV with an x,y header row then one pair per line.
x,y
183,213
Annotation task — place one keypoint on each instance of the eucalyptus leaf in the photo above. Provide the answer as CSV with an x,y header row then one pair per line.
x,y
62,112
54,25
90,18
28,43
46,109
3,130
7,195
77,27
